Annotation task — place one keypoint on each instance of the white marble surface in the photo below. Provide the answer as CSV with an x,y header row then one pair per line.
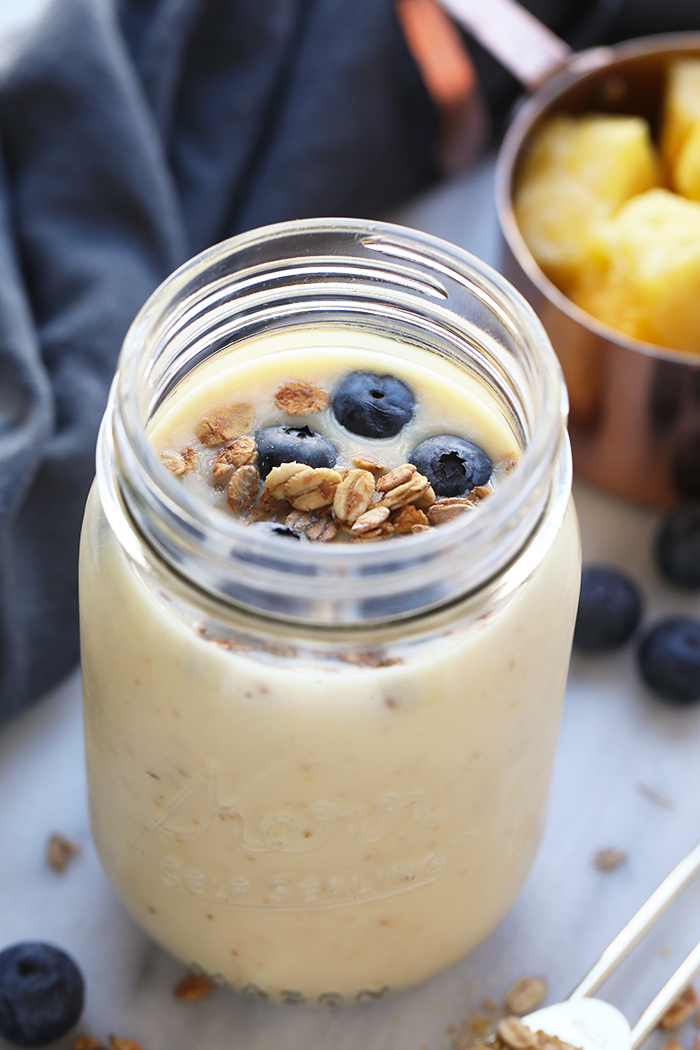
x,y
627,775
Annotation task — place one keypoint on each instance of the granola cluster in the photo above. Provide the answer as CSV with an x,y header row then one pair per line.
x,y
482,1028
362,502
685,1007
502,1028
60,851
512,1034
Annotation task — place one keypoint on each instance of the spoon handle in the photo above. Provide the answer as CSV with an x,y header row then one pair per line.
x,y
638,925
523,44
676,984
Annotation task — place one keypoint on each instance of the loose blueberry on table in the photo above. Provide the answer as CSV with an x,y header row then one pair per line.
x,y
677,547
609,610
669,659
41,993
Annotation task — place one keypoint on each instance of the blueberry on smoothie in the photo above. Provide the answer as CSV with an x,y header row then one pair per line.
x,y
669,659
41,993
274,528
278,445
609,610
678,547
372,406
452,465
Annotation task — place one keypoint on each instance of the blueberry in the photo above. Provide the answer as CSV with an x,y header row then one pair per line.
x,y
452,465
274,528
277,445
41,993
669,659
678,547
609,610
371,405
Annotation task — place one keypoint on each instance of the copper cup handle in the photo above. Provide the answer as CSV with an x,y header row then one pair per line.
x,y
520,42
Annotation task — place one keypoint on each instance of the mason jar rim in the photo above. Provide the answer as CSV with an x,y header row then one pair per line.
x,y
328,267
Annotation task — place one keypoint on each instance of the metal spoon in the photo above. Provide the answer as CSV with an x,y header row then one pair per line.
x,y
593,1024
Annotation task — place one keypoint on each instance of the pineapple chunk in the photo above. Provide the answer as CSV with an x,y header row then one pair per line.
x,y
687,170
579,171
681,115
651,288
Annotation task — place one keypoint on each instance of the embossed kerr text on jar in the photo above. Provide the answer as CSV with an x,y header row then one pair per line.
x,y
321,708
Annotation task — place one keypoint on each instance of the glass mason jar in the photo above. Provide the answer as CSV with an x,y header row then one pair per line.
x,y
320,774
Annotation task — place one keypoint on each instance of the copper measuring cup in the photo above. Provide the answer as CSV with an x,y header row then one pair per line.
x,y
635,408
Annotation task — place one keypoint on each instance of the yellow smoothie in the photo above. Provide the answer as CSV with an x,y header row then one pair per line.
x,y
334,812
